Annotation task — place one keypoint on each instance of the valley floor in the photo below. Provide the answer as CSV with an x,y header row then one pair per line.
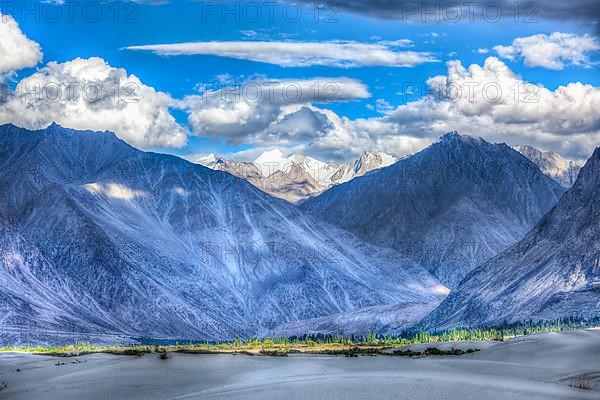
x,y
532,367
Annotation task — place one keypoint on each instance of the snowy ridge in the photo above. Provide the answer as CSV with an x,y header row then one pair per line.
x,y
366,163
296,178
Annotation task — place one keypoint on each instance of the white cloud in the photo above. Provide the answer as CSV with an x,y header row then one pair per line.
x,y
555,51
347,139
249,33
300,54
339,139
494,103
90,94
299,125
16,50
268,110
500,106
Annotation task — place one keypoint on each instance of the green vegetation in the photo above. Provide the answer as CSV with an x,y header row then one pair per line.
x,y
319,344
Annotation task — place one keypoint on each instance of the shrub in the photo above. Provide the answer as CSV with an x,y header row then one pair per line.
x,y
580,383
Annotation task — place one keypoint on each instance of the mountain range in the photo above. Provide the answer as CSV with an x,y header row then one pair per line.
x,y
296,178
101,237
553,272
449,208
106,238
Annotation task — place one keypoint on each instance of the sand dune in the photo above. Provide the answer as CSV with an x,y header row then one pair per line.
x,y
534,367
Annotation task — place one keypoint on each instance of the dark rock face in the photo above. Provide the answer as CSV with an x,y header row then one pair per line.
x,y
449,208
553,272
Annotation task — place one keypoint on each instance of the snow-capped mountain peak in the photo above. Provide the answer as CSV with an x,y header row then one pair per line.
x,y
207,159
552,164
272,161
369,161
297,177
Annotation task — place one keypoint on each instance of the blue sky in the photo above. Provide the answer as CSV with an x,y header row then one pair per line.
x,y
179,76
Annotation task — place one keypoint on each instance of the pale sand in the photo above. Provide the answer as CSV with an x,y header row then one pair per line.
x,y
535,367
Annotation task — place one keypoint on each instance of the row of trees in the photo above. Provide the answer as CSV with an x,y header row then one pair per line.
x,y
501,332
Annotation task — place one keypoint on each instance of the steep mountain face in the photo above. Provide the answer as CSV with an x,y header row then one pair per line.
x,y
385,319
449,208
293,183
366,163
553,272
110,238
245,170
296,178
552,164
31,291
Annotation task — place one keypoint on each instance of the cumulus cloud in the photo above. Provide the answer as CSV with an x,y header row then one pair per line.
x,y
267,109
16,50
553,51
488,100
300,54
493,102
297,122
346,138
90,94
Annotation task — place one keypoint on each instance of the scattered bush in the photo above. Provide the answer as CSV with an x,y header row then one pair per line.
x,y
580,383
163,353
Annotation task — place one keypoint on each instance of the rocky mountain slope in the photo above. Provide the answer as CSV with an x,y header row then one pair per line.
x,y
366,163
449,207
553,272
104,237
552,164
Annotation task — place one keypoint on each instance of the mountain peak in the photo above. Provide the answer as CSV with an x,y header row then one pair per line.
x,y
552,164
455,138
550,273
451,206
115,227
590,173
271,154
452,135
207,159
56,130
595,155
370,161
386,159
272,161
